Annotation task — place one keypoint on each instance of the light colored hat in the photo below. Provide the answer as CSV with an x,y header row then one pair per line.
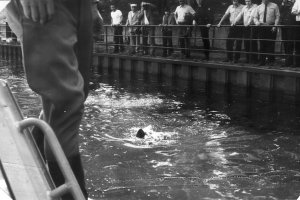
x,y
133,4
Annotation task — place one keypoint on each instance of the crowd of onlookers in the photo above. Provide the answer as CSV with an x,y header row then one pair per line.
x,y
254,24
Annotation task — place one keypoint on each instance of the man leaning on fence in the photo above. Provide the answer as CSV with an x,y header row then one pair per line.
x,y
134,31
267,17
235,33
116,23
250,33
184,15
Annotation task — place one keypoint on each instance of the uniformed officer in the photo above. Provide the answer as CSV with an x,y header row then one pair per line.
x,y
205,18
288,33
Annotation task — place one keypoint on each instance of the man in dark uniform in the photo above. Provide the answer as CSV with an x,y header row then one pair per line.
x,y
204,17
288,33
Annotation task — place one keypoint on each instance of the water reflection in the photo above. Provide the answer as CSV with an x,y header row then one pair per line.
x,y
201,144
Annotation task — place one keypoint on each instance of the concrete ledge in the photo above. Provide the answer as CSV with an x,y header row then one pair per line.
x,y
278,80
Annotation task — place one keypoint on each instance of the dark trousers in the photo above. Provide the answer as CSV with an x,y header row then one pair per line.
x,y
297,45
167,42
251,43
185,34
205,39
288,33
118,38
267,44
148,34
234,34
57,59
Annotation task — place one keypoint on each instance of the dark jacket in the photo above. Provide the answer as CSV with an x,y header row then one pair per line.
x,y
204,15
168,20
286,18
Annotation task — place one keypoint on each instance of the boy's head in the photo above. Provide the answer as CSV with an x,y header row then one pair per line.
x,y
248,2
235,2
181,2
133,7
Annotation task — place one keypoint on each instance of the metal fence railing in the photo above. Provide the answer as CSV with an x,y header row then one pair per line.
x,y
249,44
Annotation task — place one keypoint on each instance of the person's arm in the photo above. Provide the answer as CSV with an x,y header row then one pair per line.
x,y
127,21
223,18
176,15
296,8
121,18
277,19
256,17
38,10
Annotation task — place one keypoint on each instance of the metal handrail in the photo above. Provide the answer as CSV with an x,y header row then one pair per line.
x,y
71,185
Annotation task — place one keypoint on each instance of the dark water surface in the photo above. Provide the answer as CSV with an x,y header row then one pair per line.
x,y
203,141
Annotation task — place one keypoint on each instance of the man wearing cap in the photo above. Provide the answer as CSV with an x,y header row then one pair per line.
x,y
134,31
56,39
235,32
184,15
116,22
267,17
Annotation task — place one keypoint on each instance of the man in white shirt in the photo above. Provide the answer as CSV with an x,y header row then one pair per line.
x,y
184,15
116,22
267,15
250,33
234,31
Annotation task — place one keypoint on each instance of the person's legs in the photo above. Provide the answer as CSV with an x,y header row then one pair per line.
x,y
145,35
206,43
57,58
165,43
116,40
120,38
238,33
169,43
263,45
246,36
151,32
132,43
271,46
229,44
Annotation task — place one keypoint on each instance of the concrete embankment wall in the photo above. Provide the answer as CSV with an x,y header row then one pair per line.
x,y
286,82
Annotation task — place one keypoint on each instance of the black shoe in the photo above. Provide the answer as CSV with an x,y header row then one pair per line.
x,y
261,64
235,61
